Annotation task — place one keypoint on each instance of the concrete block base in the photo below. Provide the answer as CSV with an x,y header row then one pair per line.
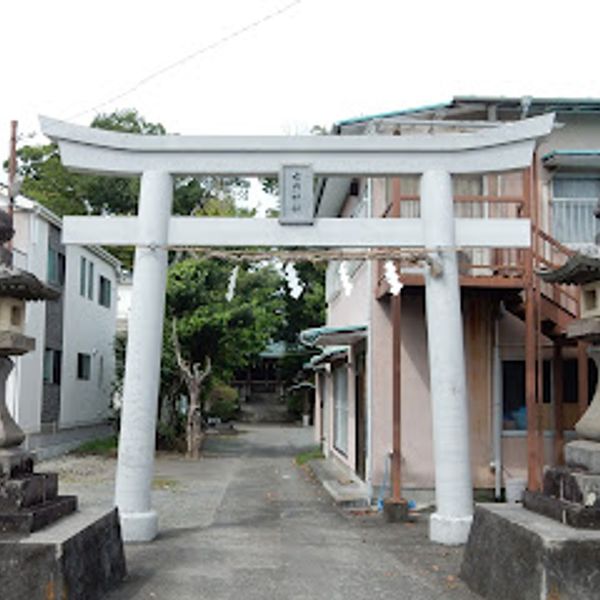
x,y
450,531
569,513
34,518
584,454
139,527
395,511
80,558
515,553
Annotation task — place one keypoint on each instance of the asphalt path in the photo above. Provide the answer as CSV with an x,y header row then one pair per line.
x,y
245,522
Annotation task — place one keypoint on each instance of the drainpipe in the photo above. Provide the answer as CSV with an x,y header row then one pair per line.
x,y
497,414
369,424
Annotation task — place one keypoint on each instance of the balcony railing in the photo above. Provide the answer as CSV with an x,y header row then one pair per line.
x,y
573,220
481,267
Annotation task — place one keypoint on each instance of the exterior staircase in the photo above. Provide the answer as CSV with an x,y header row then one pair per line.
x,y
556,306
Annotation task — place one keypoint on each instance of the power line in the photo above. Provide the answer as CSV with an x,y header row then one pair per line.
x,y
212,46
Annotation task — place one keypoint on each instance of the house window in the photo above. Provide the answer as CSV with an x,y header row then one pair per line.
x,y
52,364
104,292
574,200
90,291
84,366
340,409
82,276
56,267
513,389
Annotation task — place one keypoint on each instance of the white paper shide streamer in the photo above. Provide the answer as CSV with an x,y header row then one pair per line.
x,y
391,276
295,285
232,283
345,278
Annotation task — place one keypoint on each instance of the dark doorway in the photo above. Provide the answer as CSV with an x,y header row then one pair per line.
x,y
361,413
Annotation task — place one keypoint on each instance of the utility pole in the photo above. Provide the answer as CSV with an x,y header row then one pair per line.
x,y
6,255
12,167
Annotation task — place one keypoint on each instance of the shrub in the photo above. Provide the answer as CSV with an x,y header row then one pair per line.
x,y
222,402
295,405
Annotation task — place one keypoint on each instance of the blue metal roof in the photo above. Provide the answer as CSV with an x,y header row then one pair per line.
x,y
329,353
281,349
310,337
583,152
395,113
560,105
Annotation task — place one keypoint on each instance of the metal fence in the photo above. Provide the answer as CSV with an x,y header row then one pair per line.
x,y
573,220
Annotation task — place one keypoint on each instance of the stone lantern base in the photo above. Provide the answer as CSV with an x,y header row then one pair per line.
x,y
28,500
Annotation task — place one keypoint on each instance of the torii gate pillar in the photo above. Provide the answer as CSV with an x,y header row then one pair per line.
x,y
451,522
139,522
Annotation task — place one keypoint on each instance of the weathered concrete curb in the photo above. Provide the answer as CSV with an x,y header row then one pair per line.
x,y
515,553
79,558
345,490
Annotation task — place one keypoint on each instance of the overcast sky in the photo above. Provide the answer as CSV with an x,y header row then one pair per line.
x,y
315,63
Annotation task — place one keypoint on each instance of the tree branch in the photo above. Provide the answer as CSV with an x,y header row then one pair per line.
x,y
183,364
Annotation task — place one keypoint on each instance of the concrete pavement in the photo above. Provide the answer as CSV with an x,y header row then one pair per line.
x,y
246,522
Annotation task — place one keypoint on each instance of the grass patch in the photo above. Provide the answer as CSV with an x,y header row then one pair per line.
x,y
304,457
100,447
163,483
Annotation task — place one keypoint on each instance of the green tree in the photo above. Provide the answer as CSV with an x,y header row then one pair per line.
x,y
211,336
229,332
127,121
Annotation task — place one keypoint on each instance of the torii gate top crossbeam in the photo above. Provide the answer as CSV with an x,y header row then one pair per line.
x,y
509,146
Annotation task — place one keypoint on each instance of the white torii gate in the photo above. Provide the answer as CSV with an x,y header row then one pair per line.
x,y
158,158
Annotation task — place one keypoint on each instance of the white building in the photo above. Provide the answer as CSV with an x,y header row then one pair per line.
x,y
124,299
60,394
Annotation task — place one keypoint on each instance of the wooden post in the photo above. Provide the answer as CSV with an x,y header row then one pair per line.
x,y
533,476
533,461
582,374
396,475
397,401
558,384
582,369
582,378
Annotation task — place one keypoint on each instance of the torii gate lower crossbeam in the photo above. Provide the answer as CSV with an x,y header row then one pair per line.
x,y
157,159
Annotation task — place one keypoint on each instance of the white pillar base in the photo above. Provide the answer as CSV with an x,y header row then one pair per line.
x,y
139,527
450,531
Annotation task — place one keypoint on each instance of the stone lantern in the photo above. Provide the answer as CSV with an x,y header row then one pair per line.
x,y
28,501
571,493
